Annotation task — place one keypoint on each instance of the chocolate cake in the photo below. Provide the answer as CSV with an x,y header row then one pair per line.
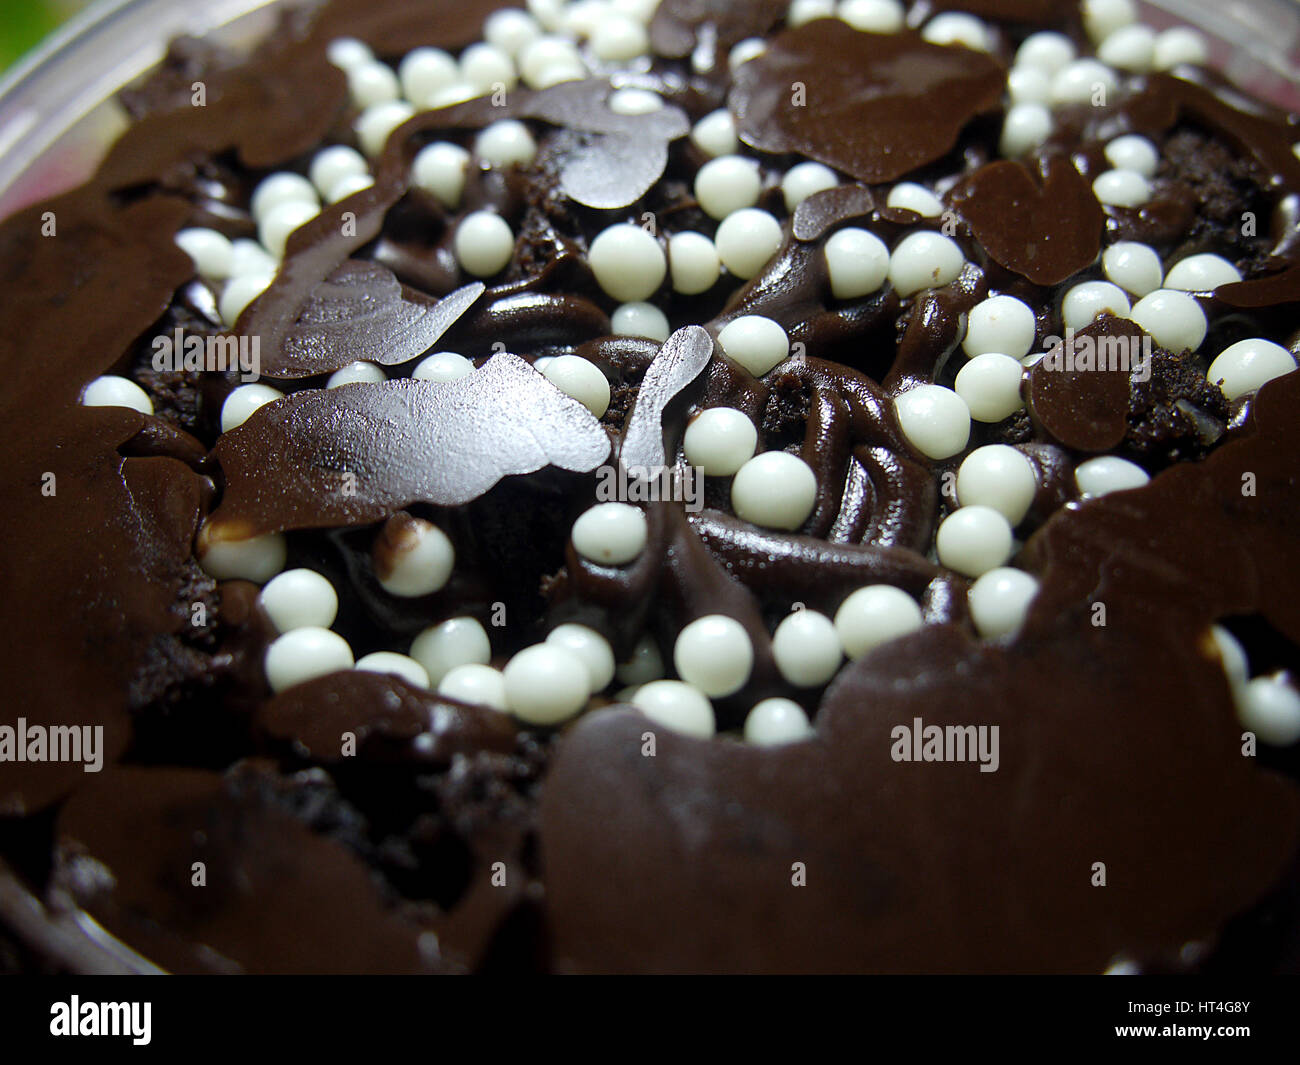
x,y
680,487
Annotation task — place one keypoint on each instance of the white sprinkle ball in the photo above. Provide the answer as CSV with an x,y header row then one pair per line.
x,y
1108,473
376,122
1248,365
610,534
114,391
1079,81
372,83
714,654
439,168
746,240
1179,45
857,262
628,262
511,30
1232,656
875,615
924,260
974,540
278,223
1130,48
299,599
1174,319
249,257
1029,85
416,559
872,16
720,440
1026,127
1270,708
1000,477
305,654
281,188
345,52
618,38
580,378
549,60
408,669
486,67
1201,273
484,243
635,102
990,386
1046,51
1134,267
239,292
755,342
909,196
348,186
935,420
775,722
802,12
807,649
1133,152
956,27
1084,302
1121,188
806,179
675,705
505,143
476,684
999,601
443,366
727,184
243,401
640,320
775,489
210,251
1101,18
546,684
591,648
254,558
425,72
715,134
693,262
743,51
645,665
455,642
1000,323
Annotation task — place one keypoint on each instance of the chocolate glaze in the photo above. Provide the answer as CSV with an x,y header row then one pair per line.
x,y
1119,742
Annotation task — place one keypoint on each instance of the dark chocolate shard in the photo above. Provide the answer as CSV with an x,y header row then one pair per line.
x,y
677,24
1044,227
680,361
356,454
875,106
613,170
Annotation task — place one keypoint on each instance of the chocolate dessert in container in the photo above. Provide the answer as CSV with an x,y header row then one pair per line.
x,y
652,487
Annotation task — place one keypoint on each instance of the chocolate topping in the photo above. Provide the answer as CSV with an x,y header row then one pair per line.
x,y
1086,406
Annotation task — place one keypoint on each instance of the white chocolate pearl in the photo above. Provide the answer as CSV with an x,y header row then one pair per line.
x,y
546,684
239,292
935,420
1000,477
591,648
114,391
1201,273
727,184
744,51
504,143
1178,45
281,188
372,83
635,102
1000,323
1079,80
1084,302
774,722
640,320
618,38
610,534
439,168
1121,188
210,251
421,562
376,122
628,262
249,257
581,17
511,30
1270,708
874,615
806,179
279,222
550,14
641,10
990,386
560,72
1046,51
756,342
746,240
775,489
356,373
254,558
244,401
713,653
676,706
455,642
646,664
299,599
1101,18
1029,85
1136,268
806,649
805,11
303,655
1247,365
580,378
1174,319
484,243
546,57
974,540
443,366
476,684
955,27
857,261
872,16
1026,127
485,67
924,260
338,176
999,601
1129,48
694,263
910,196
1232,656
715,134
1133,152
408,669
346,52
720,440
424,72
1108,473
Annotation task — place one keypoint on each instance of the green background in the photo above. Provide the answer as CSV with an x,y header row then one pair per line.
x,y
24,22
